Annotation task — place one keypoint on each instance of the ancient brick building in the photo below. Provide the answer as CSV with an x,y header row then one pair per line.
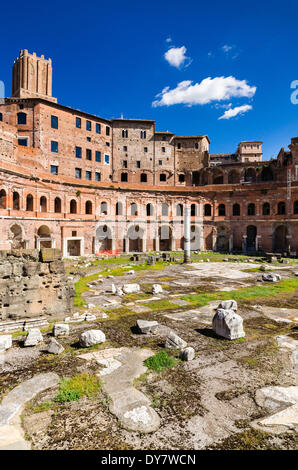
x,y
85,184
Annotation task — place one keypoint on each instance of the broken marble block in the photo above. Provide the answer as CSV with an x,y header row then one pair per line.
x,y
157,289
119,291
228,324
5,342
145,326
174,342
131,288
33,338
228,305
60,329
92,337
187,354
270,277
54,347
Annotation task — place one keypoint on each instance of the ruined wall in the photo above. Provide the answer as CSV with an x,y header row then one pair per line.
x,y
34,283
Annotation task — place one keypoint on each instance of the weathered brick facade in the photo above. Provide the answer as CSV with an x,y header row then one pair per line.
x,y
85,184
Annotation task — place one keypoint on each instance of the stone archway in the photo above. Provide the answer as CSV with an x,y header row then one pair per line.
x,y
222,239
135,235
103,238
165,238
44,239
251,235
280,242
16,237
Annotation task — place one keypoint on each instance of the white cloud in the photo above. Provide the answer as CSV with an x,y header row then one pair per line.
x,y
227,48
232,112
176,56
210,89
169,39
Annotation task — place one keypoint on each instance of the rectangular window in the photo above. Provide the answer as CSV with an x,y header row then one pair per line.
x,y
138,164
88,154
54,169
88,125
78,152
98,128
54,122
125,148
78,173
124,163
1,117
23,142
88,139
88,175
98,156
78,122
97,176
107,144
54,146
107,130
107,159
160,162
145,149
179,146
163,149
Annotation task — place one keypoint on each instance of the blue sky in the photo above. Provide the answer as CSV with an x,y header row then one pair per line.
x,y
109,59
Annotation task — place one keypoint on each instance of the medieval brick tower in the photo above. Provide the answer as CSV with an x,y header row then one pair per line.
x,y
32,77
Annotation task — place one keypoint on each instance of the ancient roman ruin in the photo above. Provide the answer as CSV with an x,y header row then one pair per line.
x,y
148,288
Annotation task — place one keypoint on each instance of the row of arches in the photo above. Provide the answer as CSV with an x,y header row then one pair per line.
x,y
248,175
251,209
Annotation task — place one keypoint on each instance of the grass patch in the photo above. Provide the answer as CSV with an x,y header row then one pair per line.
x,y
247,293
72,389
160,361
45,406
164,304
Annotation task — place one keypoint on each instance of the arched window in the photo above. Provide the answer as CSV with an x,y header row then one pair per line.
x,y
124,133
281,208
88,207
103,208
133,209
22,118
143,178
236,209
164,209
57,205
2,199
16,201
179,210
43,204
149,210
207,210
29,203
221,210
118,208
296,207
251,209
73,206
193,210
266,208
123,177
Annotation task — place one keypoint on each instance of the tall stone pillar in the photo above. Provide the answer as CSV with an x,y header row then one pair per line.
x,y
244,243
186,233
231,243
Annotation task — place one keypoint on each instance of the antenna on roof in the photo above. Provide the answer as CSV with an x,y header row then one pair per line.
x,y
121,116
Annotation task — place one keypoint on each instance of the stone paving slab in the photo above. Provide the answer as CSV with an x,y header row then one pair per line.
x,y
11,436
131,406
